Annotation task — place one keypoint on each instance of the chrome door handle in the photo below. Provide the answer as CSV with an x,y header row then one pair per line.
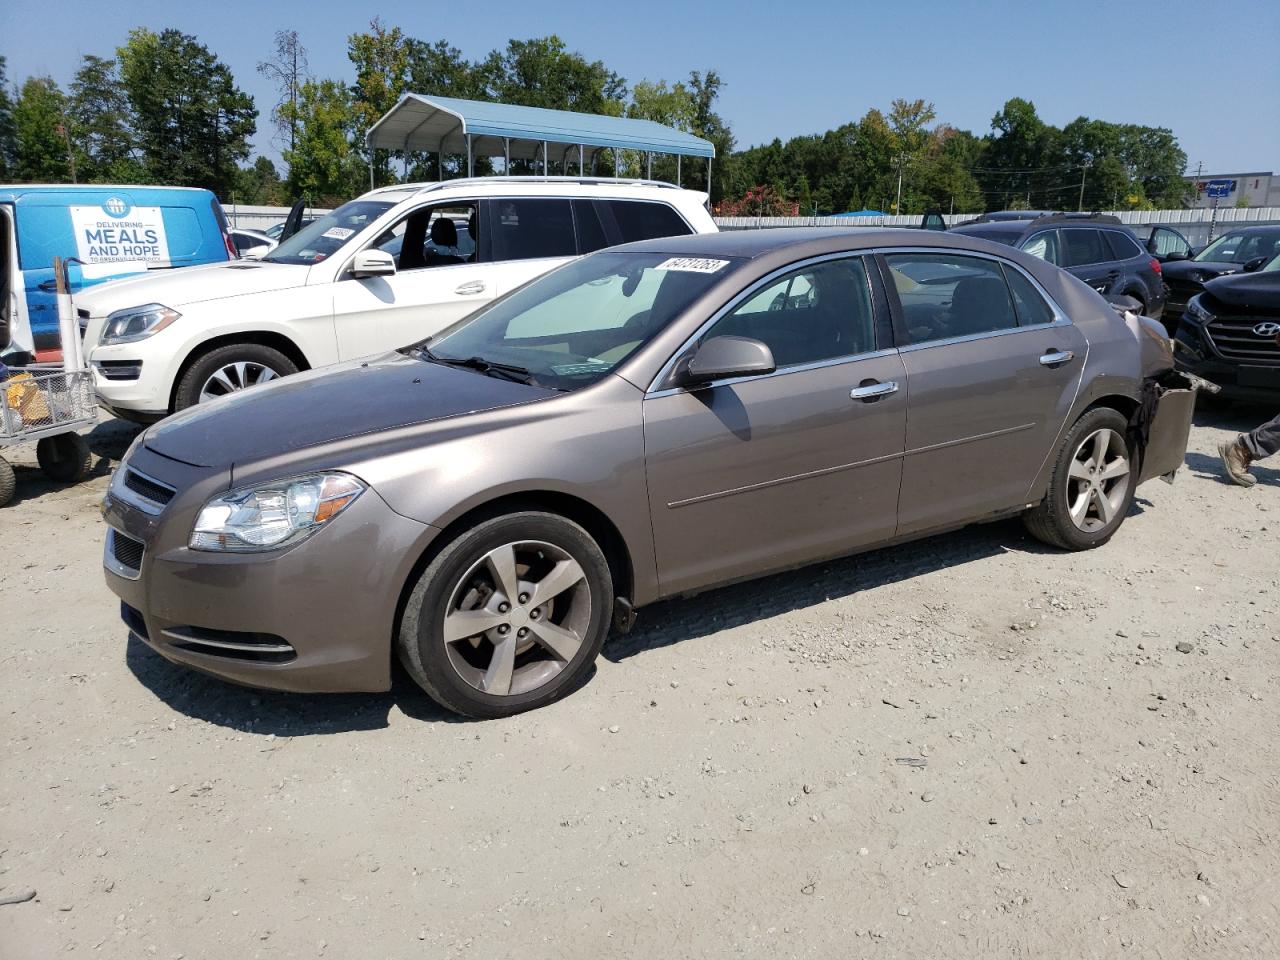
x,y
873,390
1055,357
466,289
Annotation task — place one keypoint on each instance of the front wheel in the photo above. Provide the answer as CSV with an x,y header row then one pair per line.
x,y
228,370
509,616
1092,484
8,482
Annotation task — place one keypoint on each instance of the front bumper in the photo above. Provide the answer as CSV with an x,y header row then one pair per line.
x,y
1239,381
315,617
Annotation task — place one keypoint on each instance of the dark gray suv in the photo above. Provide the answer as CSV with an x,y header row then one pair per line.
x,y
644,422
1099,250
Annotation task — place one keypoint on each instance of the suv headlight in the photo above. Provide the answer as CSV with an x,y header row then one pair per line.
x,y
136,323
1196,312
272,515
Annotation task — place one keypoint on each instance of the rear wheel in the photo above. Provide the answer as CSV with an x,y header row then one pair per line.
x,y
65,458
1092,485
509,616
8,482
228,370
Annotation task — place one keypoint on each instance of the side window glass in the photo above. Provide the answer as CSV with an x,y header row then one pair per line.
x,y
1084,247
820,312
432,237
1045,246
1027,301
946,295
591,235
1168,241
641,220
1122,246
532,228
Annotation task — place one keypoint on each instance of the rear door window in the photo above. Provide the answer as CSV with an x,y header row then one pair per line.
x,y
1122,245
1030,306
532,228
946,295
1083,247
640,220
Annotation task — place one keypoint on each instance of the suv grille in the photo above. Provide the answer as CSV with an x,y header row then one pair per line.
x,y
147,488
126,551
1235,340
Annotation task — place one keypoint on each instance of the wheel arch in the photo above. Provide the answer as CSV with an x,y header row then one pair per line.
x,y
264,338
582,512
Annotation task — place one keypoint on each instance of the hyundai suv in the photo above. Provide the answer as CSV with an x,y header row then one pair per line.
x,y
389,268
1099,250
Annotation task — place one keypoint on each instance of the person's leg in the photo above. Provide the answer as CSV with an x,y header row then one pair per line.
x,y
1264,441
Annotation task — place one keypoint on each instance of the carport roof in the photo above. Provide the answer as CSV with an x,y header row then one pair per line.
x,y
442,125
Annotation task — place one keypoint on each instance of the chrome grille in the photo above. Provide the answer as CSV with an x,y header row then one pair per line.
x,y
147,488
1234,338
124,554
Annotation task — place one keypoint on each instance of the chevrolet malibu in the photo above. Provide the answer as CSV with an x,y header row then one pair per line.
x,y
645,422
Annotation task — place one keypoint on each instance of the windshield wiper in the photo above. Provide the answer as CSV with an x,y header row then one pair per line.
x,y
508,371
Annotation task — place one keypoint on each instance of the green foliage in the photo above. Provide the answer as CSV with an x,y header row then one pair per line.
x,y
8,138
101,131
42,153
191,121
325,166
259,184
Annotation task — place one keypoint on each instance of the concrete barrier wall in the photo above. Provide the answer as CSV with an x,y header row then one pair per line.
x,y
259,218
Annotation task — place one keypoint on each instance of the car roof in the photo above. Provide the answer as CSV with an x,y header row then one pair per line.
x,y
803,241
1261,228
535,186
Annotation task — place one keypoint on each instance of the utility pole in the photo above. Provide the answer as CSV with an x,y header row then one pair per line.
x,y
1083,171
897,206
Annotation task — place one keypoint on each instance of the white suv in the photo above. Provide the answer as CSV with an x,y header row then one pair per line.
x,y
389,268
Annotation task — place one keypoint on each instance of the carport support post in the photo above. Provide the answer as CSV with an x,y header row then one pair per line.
x,y
506,156
616,168
648,168
471,169
678,159
546,170
708,182
581,170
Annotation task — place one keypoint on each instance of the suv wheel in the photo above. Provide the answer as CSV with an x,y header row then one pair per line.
x,y
1092,485
230,369
509,616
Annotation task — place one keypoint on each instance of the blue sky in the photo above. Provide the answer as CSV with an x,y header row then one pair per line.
x,y
1212,75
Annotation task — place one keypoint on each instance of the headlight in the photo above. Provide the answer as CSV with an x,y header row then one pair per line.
x,y
136,323
1196,312
274,514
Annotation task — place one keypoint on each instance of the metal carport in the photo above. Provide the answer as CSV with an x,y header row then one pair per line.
x,y
450,126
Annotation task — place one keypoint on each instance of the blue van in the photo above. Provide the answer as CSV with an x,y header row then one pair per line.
x,y
113,231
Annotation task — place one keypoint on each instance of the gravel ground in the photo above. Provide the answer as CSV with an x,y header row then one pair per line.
x,y
965,746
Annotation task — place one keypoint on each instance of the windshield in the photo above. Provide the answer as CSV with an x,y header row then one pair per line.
x,y
323,237
1240,248
573,326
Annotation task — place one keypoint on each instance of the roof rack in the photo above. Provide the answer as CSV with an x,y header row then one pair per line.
x,y
1043,218
483,181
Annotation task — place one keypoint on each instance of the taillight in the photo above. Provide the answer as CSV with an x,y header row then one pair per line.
x,y
1155,265
232,252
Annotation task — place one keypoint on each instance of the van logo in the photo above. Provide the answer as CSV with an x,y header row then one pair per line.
x,y
115,207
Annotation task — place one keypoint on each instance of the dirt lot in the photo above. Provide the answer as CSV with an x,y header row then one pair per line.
x,y
968,746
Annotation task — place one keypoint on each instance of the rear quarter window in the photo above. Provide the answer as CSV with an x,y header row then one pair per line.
x,y
1122,245
1084,246
640,220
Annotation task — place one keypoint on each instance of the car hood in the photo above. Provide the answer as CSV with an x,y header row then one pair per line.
x,y
187,285
1192,271
325,406
1249,291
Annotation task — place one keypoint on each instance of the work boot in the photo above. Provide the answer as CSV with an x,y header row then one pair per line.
x,y
1236,458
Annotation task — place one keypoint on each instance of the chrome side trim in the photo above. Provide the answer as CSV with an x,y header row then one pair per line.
x,y
111,563
780,372
781,480
227,644
977,436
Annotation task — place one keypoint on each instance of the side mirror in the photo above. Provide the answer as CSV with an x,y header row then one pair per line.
x,y
1174,257
722,357
258,252
1255,264
373,263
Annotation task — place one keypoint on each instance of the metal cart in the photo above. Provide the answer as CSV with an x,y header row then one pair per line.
x,y
47,404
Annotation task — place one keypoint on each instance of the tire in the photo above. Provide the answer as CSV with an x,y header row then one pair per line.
x,y
254,362
65,458
1052,520
8,482
462,586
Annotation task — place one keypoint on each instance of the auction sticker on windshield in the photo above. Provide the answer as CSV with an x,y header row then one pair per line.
x,y
337,233
692,265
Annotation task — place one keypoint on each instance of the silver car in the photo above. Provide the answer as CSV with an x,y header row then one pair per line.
x,y
644,422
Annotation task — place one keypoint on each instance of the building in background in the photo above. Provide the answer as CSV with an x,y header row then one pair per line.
x,y
1255,189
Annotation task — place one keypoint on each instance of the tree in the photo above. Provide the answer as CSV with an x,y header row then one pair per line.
x,y
100,122
1020,158
42,143
287,71
908,121
259,184
192,122
541,72
8,139
324,166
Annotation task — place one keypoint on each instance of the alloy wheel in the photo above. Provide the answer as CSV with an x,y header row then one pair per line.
x,y
1098,480
517,618
234,377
